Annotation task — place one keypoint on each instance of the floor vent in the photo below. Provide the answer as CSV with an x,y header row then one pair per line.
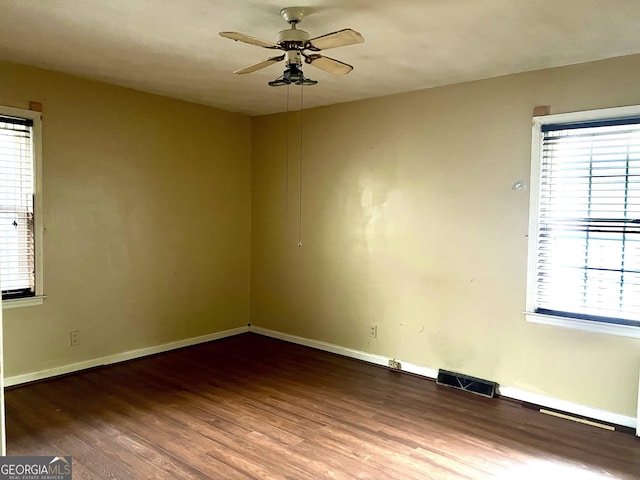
x,y
467,383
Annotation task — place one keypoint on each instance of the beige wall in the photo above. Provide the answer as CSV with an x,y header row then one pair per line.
x,y
410,222
146,215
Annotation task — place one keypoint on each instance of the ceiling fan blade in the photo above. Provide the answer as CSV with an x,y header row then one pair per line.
x,y
241,37
327,64
340,38
259,65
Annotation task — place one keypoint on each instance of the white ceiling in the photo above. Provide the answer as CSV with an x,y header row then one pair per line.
x,y
173,48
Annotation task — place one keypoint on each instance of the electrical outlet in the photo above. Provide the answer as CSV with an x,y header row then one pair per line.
x,y
74,337
395,364
373,330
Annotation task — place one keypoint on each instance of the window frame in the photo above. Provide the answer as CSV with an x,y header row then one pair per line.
x,y
38,229
534,182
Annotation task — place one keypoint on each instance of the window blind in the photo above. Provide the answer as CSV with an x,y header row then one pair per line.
x,y
17,260
588,237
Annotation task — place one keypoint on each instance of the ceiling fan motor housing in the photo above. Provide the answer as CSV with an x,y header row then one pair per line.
x,y
292,39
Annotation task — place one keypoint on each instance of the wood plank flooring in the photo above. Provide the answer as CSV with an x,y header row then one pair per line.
x,y
254,407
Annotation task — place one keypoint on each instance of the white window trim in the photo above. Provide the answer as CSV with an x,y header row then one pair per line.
x,y
23,302
38,299
530,313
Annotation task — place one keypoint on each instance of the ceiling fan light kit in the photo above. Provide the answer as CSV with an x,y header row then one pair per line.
x,y
295,43
293,75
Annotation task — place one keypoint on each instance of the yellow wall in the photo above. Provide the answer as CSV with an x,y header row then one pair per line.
x,y
410,222
146,215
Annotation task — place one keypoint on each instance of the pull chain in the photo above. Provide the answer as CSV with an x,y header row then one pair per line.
x,y
286,177
300,171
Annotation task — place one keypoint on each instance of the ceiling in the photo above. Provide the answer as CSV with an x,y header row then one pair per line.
x,y
173,48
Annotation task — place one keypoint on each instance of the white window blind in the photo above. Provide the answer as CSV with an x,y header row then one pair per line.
x,y
17,259
587,263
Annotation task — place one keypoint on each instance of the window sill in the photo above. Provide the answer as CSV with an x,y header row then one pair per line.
x,y
586,325
23,302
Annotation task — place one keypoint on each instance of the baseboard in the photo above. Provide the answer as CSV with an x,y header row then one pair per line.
x,y
504,391
119,357
569,407
344,351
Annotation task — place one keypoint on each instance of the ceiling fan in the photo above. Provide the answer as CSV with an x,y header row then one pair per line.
x,y
297,46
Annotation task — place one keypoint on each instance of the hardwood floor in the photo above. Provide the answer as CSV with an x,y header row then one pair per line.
x,y
254,407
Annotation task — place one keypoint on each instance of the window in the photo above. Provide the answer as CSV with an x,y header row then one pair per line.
x,y
584,235
20,232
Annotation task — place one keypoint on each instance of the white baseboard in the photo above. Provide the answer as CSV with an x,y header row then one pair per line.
x,y
119,357
569,407
327,347
505,391
346,352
